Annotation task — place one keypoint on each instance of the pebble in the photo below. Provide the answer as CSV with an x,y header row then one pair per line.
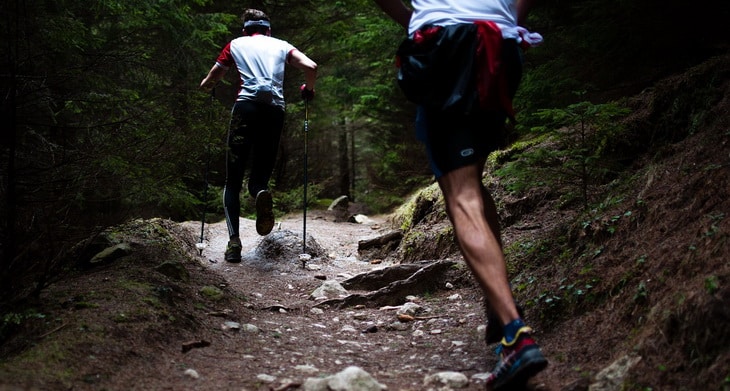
x,y
249,328
448,379
266,378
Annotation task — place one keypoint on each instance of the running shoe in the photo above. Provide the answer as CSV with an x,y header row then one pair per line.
x,y
518,362
264,212
495,331
233,251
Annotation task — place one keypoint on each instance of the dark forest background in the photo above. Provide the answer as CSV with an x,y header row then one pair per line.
x,y
102,120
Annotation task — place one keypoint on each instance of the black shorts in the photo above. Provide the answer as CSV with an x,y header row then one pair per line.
x,y
453,141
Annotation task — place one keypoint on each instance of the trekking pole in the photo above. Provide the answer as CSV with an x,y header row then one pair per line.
x,y
304,220
201,244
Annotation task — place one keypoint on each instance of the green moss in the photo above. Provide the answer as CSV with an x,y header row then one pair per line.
x,y
46,361
404,216
211,293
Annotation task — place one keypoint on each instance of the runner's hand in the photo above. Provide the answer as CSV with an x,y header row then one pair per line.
x,y
307,94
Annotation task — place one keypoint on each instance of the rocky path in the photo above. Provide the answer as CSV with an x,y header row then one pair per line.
x,y
284,337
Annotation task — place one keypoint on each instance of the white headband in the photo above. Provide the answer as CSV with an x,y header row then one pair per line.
x,y
252,23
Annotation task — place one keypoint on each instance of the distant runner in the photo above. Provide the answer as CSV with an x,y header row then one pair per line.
x,y
257,117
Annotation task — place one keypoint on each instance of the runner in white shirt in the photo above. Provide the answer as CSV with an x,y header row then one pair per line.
x,y
257,117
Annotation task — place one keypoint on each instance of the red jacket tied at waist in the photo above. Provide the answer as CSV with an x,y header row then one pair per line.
x,y
491,77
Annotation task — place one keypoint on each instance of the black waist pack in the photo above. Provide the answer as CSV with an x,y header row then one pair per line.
x,y
437,67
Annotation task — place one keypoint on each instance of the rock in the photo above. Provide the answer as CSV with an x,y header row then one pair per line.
x,y
192,373
350,379
348,329
361,219
231,326
612,377
266,378
308,369
84,251
282,246
329,289
174,270
455,297
411,309
448,379
398,326
249,328
111,254
370,329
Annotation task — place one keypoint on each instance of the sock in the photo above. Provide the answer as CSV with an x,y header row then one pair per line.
x,y
511,328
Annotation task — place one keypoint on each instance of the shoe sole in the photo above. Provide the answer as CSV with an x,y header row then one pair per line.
x,y
264,213
233,259
530,364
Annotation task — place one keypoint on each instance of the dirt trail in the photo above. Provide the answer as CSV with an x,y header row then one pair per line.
x,y
295,337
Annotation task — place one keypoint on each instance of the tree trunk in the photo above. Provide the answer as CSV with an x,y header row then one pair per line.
x,y
344,161
351,167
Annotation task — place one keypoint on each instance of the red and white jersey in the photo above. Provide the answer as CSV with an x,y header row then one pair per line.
x,y
261,61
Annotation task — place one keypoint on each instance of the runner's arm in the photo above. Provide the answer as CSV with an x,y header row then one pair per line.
x,y
300,61
397,10
214,76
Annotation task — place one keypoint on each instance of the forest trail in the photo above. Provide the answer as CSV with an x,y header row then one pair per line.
x,y
297,335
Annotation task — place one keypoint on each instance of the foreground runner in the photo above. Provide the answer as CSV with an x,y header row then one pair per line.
x,y
257,118
462,64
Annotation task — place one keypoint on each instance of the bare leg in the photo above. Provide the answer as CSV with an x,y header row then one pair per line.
x,y
474,217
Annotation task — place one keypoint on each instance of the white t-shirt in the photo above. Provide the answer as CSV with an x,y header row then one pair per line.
x,y
447,12
261,61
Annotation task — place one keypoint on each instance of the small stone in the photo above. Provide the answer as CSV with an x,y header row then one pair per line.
x,y
266,378
448,379
371,329
480,376
351,378
231,326
348,329
249,328
399,326
329,289
411,309
307,369
192,373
